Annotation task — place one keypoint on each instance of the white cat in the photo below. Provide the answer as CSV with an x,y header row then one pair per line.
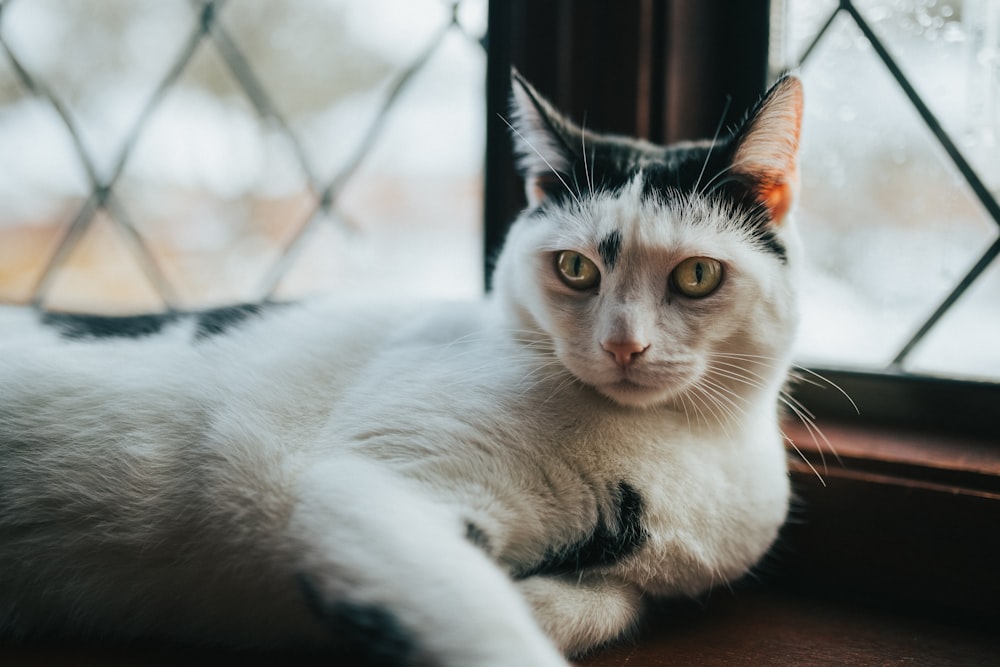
x,y
496,483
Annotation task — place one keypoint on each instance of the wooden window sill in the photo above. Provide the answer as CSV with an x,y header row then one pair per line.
x,y
752,626
902,518
769,627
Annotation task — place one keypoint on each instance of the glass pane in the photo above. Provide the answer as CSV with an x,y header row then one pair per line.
x,y
889,223
42,186
215,190
950,51
102,274
794,25
227,167
965,342
103,60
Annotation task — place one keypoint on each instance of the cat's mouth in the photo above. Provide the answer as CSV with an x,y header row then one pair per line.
x,y
644,389
632,393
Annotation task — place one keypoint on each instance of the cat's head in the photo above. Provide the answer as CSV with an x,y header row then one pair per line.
x,y
659,274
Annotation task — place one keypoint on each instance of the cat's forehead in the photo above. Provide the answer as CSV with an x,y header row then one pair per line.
x,y
631,219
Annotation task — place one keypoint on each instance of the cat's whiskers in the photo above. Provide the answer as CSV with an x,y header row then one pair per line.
x,y
543,159
707,189
567,381
793,404
726,399
687,417
551,374
802,456
712,405
829,382
711,146
808,420
587,176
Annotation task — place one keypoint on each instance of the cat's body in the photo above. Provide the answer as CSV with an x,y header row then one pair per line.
x,y
428,484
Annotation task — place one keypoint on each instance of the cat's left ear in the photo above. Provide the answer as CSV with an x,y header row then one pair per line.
x,y
765,158
542,142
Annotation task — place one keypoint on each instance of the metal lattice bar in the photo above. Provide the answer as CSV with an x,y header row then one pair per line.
x,y
979,189
332,191
207,27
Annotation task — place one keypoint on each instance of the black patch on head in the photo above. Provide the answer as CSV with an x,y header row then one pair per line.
x,y
221,320
478,537
79,326
366,635
608,543
609,248
770,242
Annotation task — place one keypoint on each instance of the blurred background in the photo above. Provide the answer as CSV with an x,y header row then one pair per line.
x,y
890,223
180,154
166,153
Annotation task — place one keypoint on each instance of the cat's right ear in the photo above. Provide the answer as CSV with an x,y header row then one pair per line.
x,y
542,140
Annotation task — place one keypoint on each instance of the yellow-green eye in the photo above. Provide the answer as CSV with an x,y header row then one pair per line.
x,y
697,277
576,270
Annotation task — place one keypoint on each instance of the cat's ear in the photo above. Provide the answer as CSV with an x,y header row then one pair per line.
x,y
542,141
765,159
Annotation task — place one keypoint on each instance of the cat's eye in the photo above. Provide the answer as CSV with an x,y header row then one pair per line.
x,y
697,277
577,271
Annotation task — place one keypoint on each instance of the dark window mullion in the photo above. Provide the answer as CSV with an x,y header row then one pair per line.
x,y
946,304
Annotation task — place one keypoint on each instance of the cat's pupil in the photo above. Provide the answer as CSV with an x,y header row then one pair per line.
x,y
699,272
577,265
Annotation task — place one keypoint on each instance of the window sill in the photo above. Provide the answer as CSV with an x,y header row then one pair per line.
x,y
769,627
752,626
905,519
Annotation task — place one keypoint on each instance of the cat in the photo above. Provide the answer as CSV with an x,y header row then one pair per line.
x,y
495,483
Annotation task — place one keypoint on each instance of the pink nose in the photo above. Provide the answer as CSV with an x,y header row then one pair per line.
x,y
624,352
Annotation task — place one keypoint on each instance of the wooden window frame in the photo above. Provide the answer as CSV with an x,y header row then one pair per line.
x,y
905,517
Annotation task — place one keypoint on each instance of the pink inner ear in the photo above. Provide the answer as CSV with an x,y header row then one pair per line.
x,y
767,155
778,199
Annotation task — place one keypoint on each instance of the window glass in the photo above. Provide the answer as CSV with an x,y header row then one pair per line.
x,y
193,154
899,220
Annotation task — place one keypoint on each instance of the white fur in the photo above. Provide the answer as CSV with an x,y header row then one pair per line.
x,y
169,488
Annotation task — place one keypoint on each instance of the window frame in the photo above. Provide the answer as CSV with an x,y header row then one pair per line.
x,y
907,488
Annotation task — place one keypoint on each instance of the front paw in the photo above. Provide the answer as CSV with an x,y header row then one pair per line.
x,y
581,613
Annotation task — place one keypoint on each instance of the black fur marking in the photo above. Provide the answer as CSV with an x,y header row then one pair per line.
x,y
609,248
365,635
607,544
220,320
770,242
478,537
79,326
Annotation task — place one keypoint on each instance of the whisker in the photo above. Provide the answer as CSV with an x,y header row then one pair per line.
x,y
547,163
711,146
812,430
587,177
832,384
802,456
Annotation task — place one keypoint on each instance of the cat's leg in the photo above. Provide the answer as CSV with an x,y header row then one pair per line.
x,y
581,612
393,575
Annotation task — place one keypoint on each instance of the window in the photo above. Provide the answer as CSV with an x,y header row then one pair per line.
x,y
900,182
199,153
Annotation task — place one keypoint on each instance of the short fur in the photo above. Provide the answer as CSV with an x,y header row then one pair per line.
x,y
494,483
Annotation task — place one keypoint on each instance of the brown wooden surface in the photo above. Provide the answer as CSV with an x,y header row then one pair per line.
x,y
906,519
756,627
750,627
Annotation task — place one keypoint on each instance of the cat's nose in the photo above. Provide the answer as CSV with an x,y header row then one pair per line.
x,y
624,352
